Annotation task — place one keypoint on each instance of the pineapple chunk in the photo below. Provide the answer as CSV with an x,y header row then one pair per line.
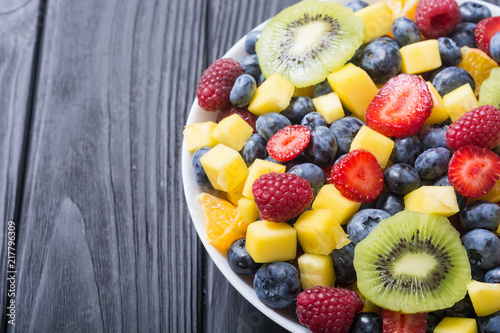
x,y
232,131
330,198
438,112
485,297
316,270
247,208
224,167
269,241
420,57
377,144
378,20
460,101
258,168
440,200
456,325
329,106
199,135
271,96
319,232
354,87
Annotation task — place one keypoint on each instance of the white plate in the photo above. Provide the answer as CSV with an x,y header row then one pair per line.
x,y
243,284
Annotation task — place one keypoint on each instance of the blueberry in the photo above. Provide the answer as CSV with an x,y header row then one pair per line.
x,y
345,129
322,147
381,60
449,51
386,39
433,136
366,322
254,148
450,78
355,60
250,65
298,108
252,38
406,150
477,273
480,214
268,124
239,260
489,324
433,163
401,178
322,88
495,46
261,79
463,35
406,31
243,90
493,275
444,181
313,120
483,248
461,309
473,12
363,222
277,284
290,164
312,173
357,5
200,176
343,264
391,203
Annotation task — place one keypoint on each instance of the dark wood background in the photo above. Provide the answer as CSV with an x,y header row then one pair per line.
x,y
93,98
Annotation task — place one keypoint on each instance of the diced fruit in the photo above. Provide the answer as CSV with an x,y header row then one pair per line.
x,y
478,64
397,322
248,210
378,20
484,31
319,232
330,198
288,142
271,96
225,167
420,57
433,199
199,135
437,18
459,101
403,8
377,144
456,325
269,241
485,297
257,169
329,106
236,194
316,270
247,116
232,131
438,111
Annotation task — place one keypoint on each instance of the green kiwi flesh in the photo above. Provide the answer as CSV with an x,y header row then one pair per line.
x,y
489,94
412,262
307,41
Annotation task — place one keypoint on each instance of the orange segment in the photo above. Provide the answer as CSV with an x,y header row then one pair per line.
x,y
403,8
478,64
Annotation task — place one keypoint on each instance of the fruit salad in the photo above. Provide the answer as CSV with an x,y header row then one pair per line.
x,y
349,164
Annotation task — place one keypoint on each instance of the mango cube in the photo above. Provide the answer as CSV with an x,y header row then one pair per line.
x,y
378,20
316,270
456,325
330,198
232,131
247,208
485,297
420,57
224,167
329,106
269,241
460,101
354,87
272,96
258,168
440,200
199,135
374,142
438,112
319,232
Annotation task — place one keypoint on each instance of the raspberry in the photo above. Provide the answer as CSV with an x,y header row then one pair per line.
x,y
281,196
479,127
246,115
328,309
216,83
437,18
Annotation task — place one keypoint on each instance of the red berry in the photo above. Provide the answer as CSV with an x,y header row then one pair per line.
x,y
437,18
484,30
288,142
401,107
358,176
479,127
396,322
216,83
281,196
246,115
328,309
473,171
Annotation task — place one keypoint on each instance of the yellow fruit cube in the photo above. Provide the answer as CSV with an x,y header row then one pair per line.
x,y
329,106
420,57
460,101
330,198
272,96
485,297
494,194
247,208
456,325
304,91
438,112
374,142
199,135
440,200
319,232
378,20
232,131
258,168
316,270
224,167
236,194
269,241
354,87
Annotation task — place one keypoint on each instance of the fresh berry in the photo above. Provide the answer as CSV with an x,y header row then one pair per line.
x,y
433,136
489,324
390,203
313,120
405,31
298,108
432,163
381,60
451,78
328,309
250,40
345,129
277,284
288,142
463,35
200,175
343,264
250,66
363,222
254,148
401,178
387,39
437,18
312,173
243,91
246,115
281,196
449,51
358,176
406,150
493,275
322,88
476,273
495,46
474,12
239,260
401,107
322,147
483,248
461,309
216,83
270,123
479,127
480,214
485,29
473,171
367,322
356,5
397,322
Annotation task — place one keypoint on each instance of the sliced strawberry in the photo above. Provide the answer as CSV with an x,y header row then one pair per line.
x,y
484,30
288,142
397,322
246,115
401,107
473,171
358,176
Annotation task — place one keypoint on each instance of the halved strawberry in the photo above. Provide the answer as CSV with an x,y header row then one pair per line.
x,y
473,171
288,142
401,107
397,322
358,176
484,30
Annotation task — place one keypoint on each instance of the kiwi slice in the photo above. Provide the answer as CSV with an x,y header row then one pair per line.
x,y
489,94
307,41
412,262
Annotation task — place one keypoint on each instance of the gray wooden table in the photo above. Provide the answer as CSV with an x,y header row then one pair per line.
x,y
93,98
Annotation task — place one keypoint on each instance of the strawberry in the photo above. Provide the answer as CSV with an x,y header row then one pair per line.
x,y
483,32
473,171
358,176
396,322
437,18
401,107
288,142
